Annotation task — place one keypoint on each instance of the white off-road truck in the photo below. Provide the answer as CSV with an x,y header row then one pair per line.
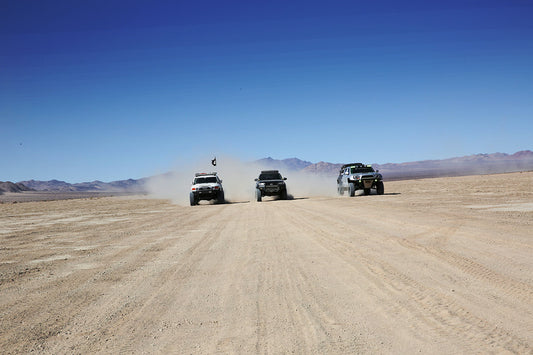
x,y
206,186
357,176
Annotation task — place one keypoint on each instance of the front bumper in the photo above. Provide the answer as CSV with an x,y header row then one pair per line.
x,y
206,194
364,183
273,189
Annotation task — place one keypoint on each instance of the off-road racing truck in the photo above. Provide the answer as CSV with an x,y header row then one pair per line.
x,y
206,186
270,183
357,176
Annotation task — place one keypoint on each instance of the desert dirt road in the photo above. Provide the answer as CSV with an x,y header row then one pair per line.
x,y
433,266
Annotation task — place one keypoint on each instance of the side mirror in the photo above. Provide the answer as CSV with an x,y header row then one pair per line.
x,y
221,181
284,178
256,179
377,171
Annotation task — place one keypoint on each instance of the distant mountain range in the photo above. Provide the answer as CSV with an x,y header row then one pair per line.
x,y
285,164
477,164
9,186
467,165
129,185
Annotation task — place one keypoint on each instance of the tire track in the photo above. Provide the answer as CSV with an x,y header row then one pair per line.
x,y
124,261
122,315
442,313
511,288
437,247
299,295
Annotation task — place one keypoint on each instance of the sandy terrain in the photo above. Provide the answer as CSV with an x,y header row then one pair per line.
x,y
433,266
30,196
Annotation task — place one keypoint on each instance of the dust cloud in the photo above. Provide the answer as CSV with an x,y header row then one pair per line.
x,y
237,179
301,184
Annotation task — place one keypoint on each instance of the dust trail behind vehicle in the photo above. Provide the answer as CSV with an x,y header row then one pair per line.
x,y
237,179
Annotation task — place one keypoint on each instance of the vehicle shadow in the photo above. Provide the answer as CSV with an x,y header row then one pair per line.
x,y
233,202
289,198
373,193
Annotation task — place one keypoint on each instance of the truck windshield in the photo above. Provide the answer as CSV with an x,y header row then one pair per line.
x,y
270,176
205,180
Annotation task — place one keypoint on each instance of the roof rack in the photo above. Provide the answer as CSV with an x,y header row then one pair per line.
x,y
269,171
201,174
357,165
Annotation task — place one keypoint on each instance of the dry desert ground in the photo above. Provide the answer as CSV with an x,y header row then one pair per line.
x,y
436,266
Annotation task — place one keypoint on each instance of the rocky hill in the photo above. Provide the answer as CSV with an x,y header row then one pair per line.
x,y
9,186
130,185
323,168
285,164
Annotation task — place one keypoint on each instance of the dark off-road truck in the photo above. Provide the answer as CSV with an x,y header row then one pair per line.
x,y
270,183
357,176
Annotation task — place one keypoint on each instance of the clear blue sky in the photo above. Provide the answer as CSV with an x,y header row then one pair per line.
x,y
113,90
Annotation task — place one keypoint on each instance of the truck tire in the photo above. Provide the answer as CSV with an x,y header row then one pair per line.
x,y
283,195
192,199
220,197
258,195
380,189
352,189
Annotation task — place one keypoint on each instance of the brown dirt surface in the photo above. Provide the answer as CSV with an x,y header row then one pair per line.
x,y
434,266
32,196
